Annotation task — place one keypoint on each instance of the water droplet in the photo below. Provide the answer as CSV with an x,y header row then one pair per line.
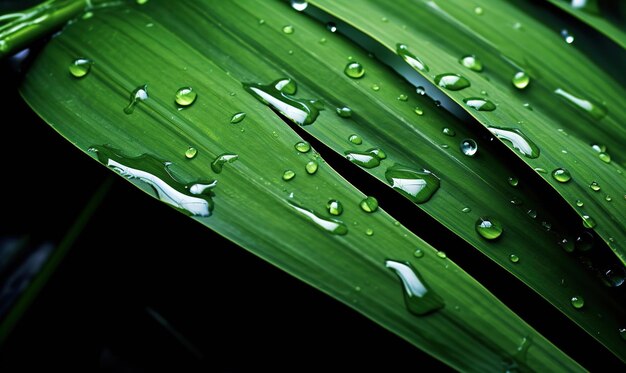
x,y
516,201
418,111
237,117
354,70
191,153
334,207
518,140
378,153
488,228
278,95
479,11
598,148
417,186
330,26
369,232
299,5
288,175
420,90
142,2
302,146
513,181
185,96
527,106
139,94
577,301
403,97
218,163
363,159
80,67
520,80
311,167
613,277
452,82
322,41
604,157
540,170
403,51
532,213
344,112
355,139
479,104
579,203
442,254
597,111
449,132
193,198
288,29
418,253
375,87
546,225
561,175
369,204
566,245
569,38
469,147
514,258
588,221
595,186
466,210
585,241
472,63
261,21
419,298
329,225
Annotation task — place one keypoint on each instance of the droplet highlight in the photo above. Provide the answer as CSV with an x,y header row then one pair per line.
x,y
452,82
561,175
419,298
403,51
138,95
354,70
489,228
472,63
369,204
468,147
329,225
80,67
334,207
417,185
185,96
520,80
518,140
479,104
218,163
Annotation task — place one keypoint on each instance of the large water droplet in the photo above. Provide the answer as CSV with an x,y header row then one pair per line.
x,y
561,175
299,5
191,153
410,58
363,159
419,298
80,67
288,175
237,117
302,146
139,94
185,96
218,163
468,147
311,167
518,139
146,170
479,104
520,80
344,112
452,82
489,228
577,301
278,95
334,207
329,225
472,63
369,204
354,70
418,186
596,110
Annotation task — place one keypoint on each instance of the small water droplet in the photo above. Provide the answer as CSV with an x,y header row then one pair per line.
x,y
479,11
330,26
516,201
468,147
566,245
622,333
479,104
442,254
330,225
420,90
585,241
513,181
334,207
518,140
299,5
288,175
449,132
598,148
488,228
344,112
569,38
608,198
541,170
311,167
412,60
403,97
237,117
417,186
514,258
419,298
375,87
472,63
355,139
561,175
139,94
288,29
363,159
191,153
588,221
369,204
604,157
527,106
322,41
218,163
579,203
369,232
520,80
80,67
384,19
577,301
595,186
185,96
532,213
141,2
418,110
418,253
261,21
452,82
378,153
596,110
354,70
466,210
546,225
